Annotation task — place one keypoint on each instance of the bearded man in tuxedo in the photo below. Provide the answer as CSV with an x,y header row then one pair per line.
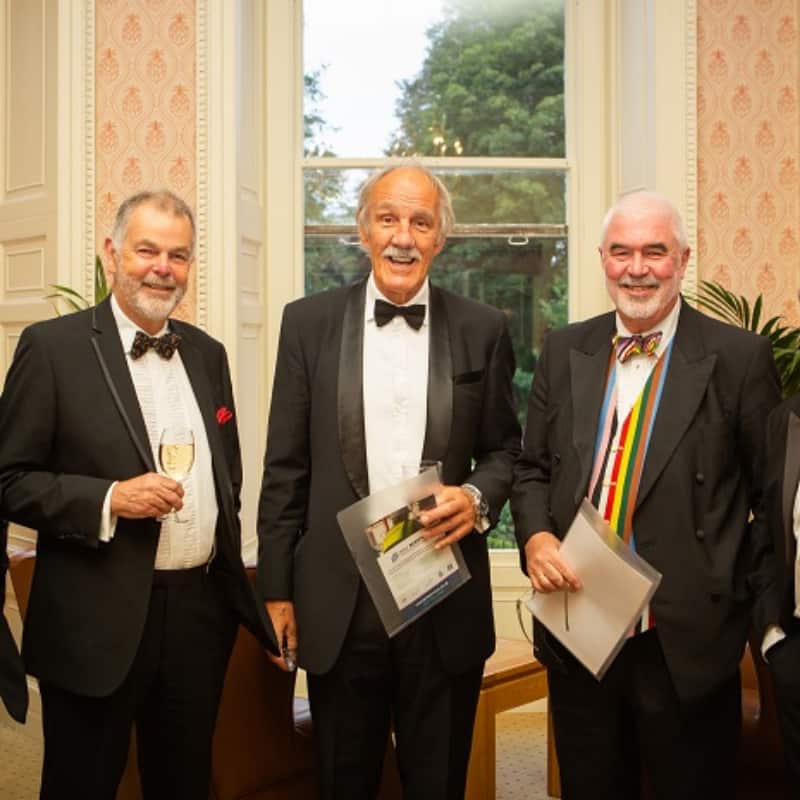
x,y
133,610
655,413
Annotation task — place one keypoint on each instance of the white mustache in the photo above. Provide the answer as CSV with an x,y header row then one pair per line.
x,y
398,252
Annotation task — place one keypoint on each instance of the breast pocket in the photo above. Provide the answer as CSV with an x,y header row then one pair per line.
x,y
467,378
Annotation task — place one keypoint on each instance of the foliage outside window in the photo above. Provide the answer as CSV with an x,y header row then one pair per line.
x,y
485,107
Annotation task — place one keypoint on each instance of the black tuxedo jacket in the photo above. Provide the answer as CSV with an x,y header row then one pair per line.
x,y
73,425
700,479
781,479
13,688
316,465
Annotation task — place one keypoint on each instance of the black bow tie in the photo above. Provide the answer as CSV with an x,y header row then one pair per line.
x,y
165,345
386,312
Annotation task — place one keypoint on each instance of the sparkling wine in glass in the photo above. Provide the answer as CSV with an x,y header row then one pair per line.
x,y
176,455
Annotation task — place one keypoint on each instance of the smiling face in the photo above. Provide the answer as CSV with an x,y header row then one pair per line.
x,y
644,263
151,269
401,232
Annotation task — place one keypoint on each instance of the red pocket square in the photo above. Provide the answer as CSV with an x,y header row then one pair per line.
x,y
224,414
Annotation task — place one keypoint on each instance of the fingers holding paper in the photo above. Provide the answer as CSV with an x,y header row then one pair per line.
x,y
451,519
546,568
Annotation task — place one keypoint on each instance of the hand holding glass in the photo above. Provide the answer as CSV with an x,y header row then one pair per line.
x,y
176,455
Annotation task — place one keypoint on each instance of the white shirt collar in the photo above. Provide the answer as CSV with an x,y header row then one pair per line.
x,y
127,327
374,293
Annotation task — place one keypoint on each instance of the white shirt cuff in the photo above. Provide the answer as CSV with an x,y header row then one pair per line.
x,y
773,635
108,521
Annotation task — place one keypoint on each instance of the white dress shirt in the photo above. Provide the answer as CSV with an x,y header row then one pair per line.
x,y
166,398
395,381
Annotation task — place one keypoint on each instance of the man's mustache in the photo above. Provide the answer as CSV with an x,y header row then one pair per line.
x,y
160,284
392,251
647,283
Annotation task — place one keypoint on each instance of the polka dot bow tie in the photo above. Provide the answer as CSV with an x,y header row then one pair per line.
x,y
165,345
637,345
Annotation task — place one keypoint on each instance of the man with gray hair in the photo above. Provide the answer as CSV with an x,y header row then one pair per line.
x,y
655,413
370,379
133,608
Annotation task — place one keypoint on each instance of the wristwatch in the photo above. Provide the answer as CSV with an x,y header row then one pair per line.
x,y
482,523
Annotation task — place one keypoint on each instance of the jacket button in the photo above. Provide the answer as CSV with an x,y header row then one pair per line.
x,y
700,534
700,478
715,597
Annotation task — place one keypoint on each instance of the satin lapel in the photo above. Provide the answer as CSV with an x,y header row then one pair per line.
x,y
587,384
688,374
111,358
791,476
440,381
198,377
350,390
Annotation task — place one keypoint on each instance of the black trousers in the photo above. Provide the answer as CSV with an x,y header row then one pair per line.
x,y
784,663
171,692
378,681
611,733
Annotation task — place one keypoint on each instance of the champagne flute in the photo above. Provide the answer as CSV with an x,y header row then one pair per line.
x,y
176,455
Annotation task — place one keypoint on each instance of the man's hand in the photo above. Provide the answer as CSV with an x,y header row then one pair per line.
x,y
148,495
546,569
452,518
281,614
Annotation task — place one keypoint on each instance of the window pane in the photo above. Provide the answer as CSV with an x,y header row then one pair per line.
x,y
434,77
479,196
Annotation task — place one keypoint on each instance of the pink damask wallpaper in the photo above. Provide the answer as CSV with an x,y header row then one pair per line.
x,y
748,137
145,101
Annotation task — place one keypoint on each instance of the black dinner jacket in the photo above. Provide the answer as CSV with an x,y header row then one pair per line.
x,y
72,425
700,479
13,687
316,465
781,479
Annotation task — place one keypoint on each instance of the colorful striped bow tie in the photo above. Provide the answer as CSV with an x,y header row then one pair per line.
x,y
165,345
636,345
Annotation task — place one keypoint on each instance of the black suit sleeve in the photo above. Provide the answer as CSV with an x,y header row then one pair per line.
x,y
498,441
767,535
530,500
760,394
285,483
61,504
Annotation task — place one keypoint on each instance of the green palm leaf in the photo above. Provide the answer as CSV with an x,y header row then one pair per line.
x,y
736,310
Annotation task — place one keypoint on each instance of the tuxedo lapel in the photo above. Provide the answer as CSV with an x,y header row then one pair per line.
x,y
350,398
688,374
587,385
198,378
791,476
111,358
440,381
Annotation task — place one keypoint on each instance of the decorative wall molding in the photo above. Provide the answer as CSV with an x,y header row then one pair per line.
x,y
201,165
690,279
90,188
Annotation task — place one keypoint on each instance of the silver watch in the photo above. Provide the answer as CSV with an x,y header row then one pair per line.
x,y
482,523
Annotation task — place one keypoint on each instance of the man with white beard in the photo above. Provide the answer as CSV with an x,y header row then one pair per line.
x,y
655,413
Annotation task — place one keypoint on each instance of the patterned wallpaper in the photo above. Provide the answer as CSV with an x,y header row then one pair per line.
x,y
749,149
145,103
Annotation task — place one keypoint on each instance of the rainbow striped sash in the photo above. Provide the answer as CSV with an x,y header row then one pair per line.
x,y
620,450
